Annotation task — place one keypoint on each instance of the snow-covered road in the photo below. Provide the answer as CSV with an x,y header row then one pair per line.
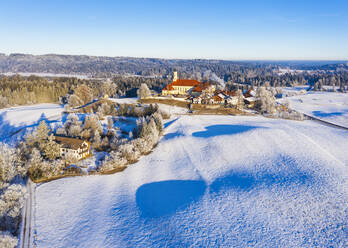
x,y
213,181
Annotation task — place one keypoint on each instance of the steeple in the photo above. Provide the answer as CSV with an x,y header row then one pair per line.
x,y
175,76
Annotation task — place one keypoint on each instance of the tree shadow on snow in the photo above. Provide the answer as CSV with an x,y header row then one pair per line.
x,y
326,114
219,130
166,197
172,136
167,124
7,131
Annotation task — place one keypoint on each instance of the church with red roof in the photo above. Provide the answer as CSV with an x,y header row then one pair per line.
x,y
182,86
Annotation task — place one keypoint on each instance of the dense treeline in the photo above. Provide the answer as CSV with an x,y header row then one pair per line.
x,y
264,78
156,73
110,66
19,90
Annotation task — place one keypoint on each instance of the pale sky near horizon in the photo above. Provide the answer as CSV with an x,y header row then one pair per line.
x,y
219,29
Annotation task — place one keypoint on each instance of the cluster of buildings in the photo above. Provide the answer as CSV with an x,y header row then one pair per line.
x,y
207,93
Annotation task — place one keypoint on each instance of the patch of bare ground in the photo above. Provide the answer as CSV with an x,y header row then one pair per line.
x,y
48,179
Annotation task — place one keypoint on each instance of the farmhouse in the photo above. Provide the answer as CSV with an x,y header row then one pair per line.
x,y
73,147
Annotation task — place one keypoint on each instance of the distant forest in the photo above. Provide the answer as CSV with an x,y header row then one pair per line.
x,y
122,76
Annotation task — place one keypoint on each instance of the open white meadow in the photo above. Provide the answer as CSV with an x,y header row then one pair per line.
x,y
329,106
211,181
19,119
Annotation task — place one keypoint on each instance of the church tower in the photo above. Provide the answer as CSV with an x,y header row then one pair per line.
x,y
175,76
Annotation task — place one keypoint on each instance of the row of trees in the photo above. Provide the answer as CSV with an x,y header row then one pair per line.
x,y
12,194
18,90
315,79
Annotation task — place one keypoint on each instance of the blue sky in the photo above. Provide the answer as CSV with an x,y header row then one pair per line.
x,y
249,29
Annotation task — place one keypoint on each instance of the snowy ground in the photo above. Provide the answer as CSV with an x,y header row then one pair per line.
x,y
124,100
43,74
329,106
213,181
23,117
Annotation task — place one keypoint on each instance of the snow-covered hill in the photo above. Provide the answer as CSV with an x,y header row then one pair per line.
x,y
213,181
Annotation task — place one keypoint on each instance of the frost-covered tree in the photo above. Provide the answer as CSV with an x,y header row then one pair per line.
x,y
42,132
266,102
61,131
35,164
7,240
74,101
114,160
143,91
11,164
92,122
157,117
84,93
12,200
110,123
72,125
75,130
51,149
7,164
142,145
3,102
100,113
11,203
105,142
129,152
240,101
96,142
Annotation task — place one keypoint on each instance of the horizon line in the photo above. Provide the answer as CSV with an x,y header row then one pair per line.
x,y
187,58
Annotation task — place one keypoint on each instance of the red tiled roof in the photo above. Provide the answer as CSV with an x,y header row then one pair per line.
x,y
200,87
185,82
248,93
230,93
217,98
168,87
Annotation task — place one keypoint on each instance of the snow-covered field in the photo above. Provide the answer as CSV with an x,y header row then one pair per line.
x,y
18,118
213,181
329,106
124,100
43,74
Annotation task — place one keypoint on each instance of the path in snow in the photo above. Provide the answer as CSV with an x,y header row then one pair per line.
x,y
212,181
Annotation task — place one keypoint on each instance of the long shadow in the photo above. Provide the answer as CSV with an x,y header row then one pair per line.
x,y
7,130
166,197
170,122
172,136
325,114
219,130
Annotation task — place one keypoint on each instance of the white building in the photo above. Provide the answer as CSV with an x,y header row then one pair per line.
x,y
73,147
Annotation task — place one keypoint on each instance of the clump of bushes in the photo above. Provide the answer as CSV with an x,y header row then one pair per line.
x,y
266,105
146,136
